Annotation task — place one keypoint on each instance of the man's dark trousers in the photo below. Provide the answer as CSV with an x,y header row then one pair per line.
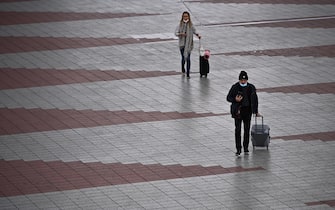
x,y
246,119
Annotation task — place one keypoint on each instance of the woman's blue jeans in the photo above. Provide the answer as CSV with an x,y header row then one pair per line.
x,y
187,60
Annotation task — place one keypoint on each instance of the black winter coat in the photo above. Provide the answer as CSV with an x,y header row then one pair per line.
x,y
251,94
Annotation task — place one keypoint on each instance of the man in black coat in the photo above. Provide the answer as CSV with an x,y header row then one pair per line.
x,y
244,101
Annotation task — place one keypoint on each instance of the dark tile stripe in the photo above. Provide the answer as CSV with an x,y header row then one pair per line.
x,y
323,136
11,78
11,18
304,22
318,23
319,88
265,1
14,121
314,51
28,177
27,44
10,1
330,203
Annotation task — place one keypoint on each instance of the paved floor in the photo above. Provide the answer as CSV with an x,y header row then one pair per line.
x,y
95,113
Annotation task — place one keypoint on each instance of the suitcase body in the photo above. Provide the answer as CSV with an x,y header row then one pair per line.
x,y
204,66
260,135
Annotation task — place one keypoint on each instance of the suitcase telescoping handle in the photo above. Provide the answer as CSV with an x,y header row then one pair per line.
x,y
262,121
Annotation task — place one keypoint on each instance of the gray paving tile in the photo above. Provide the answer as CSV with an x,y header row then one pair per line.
x,y
290,179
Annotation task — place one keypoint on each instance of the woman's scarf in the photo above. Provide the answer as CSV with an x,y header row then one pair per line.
x,y
188,39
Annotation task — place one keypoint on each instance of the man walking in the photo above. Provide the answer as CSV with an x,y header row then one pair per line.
x,y
244,101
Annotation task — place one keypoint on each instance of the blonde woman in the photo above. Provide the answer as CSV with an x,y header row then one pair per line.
x,y
185,31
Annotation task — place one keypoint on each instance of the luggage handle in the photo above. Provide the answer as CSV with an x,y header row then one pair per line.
x,y
262,121
200,46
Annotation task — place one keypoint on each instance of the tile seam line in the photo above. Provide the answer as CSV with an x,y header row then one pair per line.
x,y
273,49
269,21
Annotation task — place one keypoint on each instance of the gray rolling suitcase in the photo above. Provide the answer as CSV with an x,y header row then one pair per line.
x,y
260,135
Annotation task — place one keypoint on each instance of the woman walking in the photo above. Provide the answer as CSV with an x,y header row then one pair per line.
x,y
185,31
